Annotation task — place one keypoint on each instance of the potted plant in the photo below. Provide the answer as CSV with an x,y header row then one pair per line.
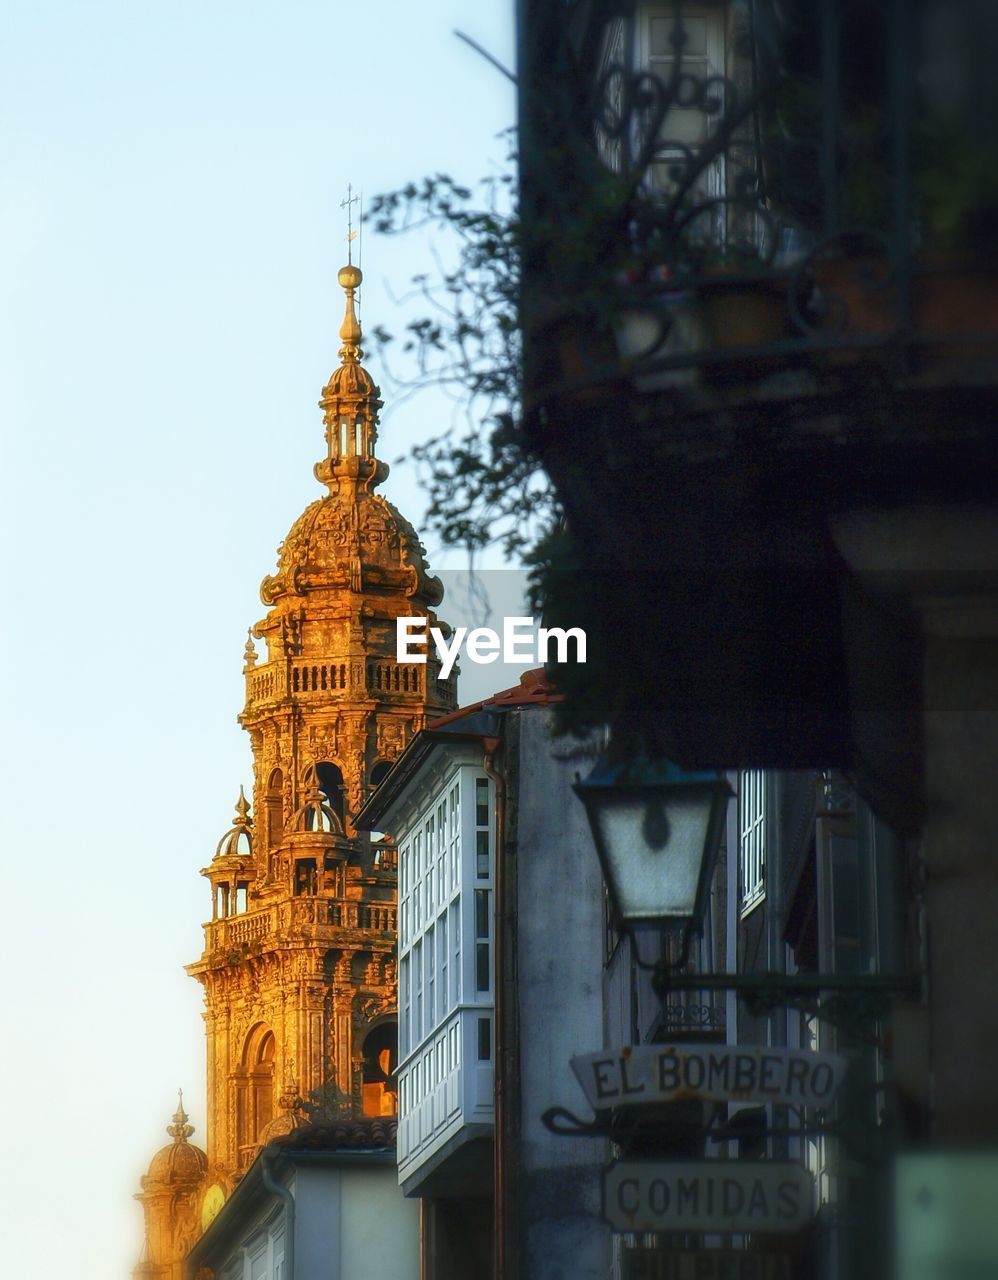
x,y
953,265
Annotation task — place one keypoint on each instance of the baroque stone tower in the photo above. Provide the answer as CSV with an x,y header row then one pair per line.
x,y
298,968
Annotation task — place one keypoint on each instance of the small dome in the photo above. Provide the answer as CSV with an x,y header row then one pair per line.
x,y
238,840
181,1161
315,815
350,380
279,1127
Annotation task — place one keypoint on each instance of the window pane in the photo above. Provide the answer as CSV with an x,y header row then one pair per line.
x,y
455,933
482,854
482,913
482,966
484,1039
694,32
752,835
431,1011
443,958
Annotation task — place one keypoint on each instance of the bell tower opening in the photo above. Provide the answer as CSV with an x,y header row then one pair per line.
x,y
380,1059
330,779
273,805
379,773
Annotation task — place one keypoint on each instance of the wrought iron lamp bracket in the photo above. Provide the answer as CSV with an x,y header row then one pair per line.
x,y
853,1003
567,1124
866,1146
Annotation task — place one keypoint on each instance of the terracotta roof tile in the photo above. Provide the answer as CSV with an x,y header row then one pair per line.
x,y
534,686
365,1134
534,689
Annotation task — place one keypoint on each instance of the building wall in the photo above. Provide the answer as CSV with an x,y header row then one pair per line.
x,y
379,1227
351,1223
318,1222
559,958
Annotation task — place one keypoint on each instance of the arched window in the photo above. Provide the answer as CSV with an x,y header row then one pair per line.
x,y
378,775
379,772
273,803
330,778
379,1089
254,1079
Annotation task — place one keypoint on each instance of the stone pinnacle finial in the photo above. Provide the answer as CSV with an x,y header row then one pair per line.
x,y
289,1099
249,653
242,810
180,1130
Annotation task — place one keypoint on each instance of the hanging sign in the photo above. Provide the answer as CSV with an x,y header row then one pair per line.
x,y
707,1195
705,1264
710,1073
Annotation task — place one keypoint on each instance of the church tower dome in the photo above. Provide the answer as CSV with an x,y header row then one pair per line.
x,y
171,1200
351,536
180,1163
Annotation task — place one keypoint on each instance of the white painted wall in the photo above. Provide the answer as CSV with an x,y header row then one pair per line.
x,y
352,1222
379,1228
560,942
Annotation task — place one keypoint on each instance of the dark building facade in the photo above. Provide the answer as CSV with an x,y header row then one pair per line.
x,y
761,374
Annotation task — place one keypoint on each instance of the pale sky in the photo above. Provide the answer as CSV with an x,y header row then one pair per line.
x,y
170,232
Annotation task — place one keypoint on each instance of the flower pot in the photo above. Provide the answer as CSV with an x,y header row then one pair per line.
x,y
744,312
723,312
949,301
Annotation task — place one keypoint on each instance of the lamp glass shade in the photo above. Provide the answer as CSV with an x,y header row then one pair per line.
x,y
657,839
654,878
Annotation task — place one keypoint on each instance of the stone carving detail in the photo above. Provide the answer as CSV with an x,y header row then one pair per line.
x,y
367,1010
324,741
391,735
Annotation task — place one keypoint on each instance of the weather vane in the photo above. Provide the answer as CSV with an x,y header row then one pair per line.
x,y
348,204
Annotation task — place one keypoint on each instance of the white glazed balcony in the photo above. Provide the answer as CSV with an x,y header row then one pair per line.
x,y
444,1088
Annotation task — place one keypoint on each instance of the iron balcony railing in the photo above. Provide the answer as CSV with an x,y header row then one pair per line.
x,y
723,190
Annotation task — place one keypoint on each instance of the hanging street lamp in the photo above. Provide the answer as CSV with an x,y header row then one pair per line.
x,y
657,830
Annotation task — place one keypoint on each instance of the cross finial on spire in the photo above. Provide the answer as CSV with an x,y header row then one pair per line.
x,y
348,204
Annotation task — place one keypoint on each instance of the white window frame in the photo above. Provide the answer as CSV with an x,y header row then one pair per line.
x,y
713,16
753,792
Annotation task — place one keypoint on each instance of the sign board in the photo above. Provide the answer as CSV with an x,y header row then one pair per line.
x,y
711,1073
706,1195
705,1264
